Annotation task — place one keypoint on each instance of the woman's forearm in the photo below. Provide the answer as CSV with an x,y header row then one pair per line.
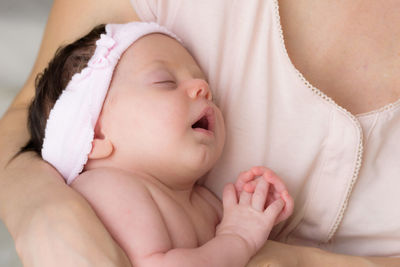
x,y
51,224
13,134
66,233
23,183
22,178
276,254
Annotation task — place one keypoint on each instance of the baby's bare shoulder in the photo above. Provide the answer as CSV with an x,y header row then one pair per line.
x,y
125,204
109,179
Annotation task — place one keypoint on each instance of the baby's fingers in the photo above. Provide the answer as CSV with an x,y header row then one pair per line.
x,y
288,209
260,195
271,177
243,179
245,198
247,177
229,197
275,208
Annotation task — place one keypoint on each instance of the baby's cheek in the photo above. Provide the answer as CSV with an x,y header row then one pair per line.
x,y
174,121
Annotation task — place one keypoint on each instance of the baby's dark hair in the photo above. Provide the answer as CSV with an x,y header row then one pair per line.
x,y
49,84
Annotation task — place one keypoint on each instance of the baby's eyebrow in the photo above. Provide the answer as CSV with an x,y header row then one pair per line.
x,y
160,64
199,74
153,65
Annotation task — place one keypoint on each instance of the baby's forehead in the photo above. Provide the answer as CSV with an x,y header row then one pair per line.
x,y
160,64
156,44
158,51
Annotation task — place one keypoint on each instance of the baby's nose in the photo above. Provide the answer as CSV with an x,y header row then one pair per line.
x,y
199,88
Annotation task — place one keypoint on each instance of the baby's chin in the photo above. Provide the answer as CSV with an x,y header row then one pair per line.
x,y
183,169
200,169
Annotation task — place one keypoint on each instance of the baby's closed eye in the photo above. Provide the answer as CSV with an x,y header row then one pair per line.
x,y
161,76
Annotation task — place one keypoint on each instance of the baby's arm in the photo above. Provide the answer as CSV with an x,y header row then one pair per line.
x,y
133,218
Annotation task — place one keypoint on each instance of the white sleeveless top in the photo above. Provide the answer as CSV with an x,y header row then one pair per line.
x,y
342,170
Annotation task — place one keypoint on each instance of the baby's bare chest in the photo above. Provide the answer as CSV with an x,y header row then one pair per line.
x,y
188,224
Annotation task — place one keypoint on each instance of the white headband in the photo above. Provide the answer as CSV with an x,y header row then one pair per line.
x,y
70,127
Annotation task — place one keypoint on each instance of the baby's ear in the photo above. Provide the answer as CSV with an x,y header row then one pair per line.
x,y
102,146
101,149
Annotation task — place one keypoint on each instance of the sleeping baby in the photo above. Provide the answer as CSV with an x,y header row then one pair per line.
x,y
126,116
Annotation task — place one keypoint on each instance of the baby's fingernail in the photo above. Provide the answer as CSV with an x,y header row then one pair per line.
x,y
281,202
248,188
285,193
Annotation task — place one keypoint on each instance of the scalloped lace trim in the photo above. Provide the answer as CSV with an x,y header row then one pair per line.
x,y
346,112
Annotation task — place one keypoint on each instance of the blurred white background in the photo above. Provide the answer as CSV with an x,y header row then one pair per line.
x,y
21,27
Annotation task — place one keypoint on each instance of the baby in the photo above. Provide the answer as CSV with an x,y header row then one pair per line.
x,y
132,127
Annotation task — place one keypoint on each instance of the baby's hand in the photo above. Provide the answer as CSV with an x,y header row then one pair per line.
x,y
249,218
248,180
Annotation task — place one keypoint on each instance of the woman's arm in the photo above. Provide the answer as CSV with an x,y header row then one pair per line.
x,y
50,223
275,254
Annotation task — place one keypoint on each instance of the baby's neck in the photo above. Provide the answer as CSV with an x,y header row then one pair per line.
x,y
181,193
178,188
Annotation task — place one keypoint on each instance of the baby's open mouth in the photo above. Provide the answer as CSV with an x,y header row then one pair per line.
x,y
202,123
205,121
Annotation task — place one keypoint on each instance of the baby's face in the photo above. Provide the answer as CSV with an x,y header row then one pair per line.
x,y
159,113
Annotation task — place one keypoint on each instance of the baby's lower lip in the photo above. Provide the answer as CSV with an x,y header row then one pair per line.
x,y
204,131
